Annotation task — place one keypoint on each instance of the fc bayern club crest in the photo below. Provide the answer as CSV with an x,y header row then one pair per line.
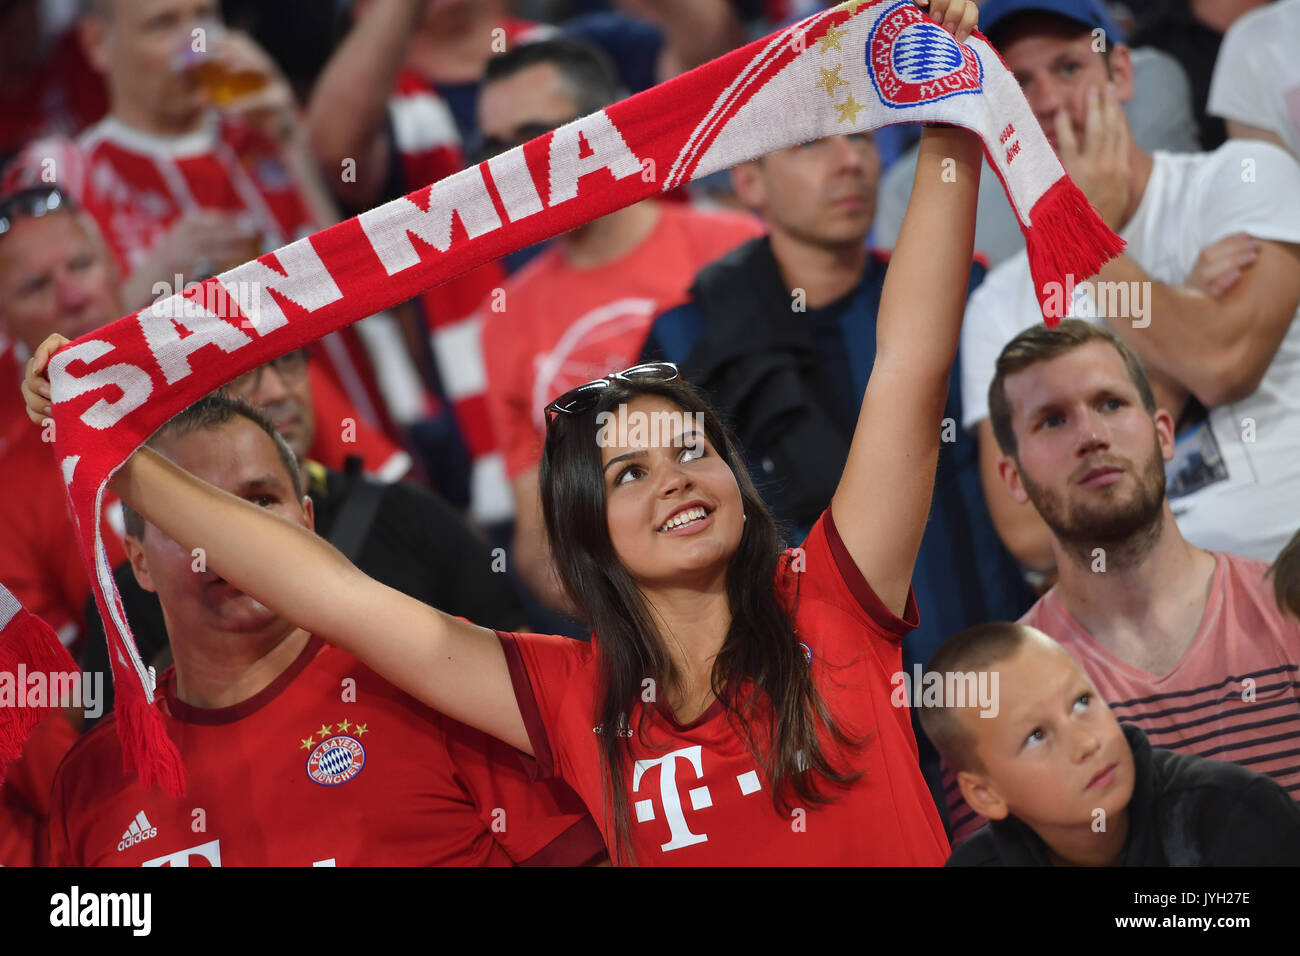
x,y
336,760
915,60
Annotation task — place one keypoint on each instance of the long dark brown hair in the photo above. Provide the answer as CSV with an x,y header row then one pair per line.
x,y
761,644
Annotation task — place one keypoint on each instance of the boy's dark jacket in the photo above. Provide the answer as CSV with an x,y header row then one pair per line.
x,y
1185,811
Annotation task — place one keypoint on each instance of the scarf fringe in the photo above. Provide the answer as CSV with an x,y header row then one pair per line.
x,y
30,642
1067,242
146,748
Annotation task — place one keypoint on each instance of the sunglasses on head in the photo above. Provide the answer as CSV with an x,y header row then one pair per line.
x,y
33,203
581,399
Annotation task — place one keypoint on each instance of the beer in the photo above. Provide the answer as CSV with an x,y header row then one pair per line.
x,y
222,85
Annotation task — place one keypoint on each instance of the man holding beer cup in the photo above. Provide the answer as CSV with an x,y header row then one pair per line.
x,y
201,163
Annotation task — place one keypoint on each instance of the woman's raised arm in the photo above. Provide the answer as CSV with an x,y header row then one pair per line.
x,y
454,667
883,498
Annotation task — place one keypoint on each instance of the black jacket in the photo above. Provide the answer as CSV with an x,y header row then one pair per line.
x,y
1185,811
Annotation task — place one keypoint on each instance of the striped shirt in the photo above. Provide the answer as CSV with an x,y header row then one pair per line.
x,y
428,145
1234,695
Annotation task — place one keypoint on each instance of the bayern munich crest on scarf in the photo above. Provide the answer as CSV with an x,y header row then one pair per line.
x,y
336,761
916,61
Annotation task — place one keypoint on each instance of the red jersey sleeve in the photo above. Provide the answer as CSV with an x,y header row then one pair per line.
x,y
822,570
537,822
552,676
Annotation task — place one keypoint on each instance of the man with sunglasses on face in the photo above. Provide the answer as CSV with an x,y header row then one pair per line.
x,y
401,534
582,306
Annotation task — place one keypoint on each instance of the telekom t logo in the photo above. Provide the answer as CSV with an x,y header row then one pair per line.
x,y
699,796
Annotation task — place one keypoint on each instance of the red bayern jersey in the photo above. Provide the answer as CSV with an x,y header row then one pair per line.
x,y
697,795
329,765
136,184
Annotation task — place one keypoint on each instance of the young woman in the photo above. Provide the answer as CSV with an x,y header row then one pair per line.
x,y
734,705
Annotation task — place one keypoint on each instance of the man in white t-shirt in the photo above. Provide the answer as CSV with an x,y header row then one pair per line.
x,y
1234,483
1256,84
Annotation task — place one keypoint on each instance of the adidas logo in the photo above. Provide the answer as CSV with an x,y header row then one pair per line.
x,y
137,832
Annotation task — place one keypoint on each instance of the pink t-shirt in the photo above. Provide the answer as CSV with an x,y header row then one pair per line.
x,y
559,326
1234,695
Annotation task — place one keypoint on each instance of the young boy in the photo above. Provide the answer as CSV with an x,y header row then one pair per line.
x,y
1065,784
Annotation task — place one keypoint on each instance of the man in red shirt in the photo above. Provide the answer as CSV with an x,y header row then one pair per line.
x,y
396,109
295,753
53,274
584,306
177,185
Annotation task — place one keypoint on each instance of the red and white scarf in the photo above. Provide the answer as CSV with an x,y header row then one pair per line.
x,y
855,67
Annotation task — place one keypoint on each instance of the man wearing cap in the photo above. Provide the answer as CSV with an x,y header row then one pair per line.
x,y
1223,358
1159,114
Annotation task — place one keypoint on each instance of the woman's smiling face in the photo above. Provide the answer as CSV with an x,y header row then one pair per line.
x,y
672,502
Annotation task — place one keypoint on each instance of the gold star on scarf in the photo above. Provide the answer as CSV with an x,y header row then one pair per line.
x,y
359,729
343,727
830,40
849,109
324,731
831,79
306,744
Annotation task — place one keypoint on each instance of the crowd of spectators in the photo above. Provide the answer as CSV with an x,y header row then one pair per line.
x,y
148,144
